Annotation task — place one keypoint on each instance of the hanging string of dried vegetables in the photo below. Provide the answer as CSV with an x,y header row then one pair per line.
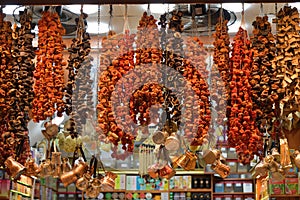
x,y
287,65
7,139
23,67
123,62
79,86
49,73
196,118
220,70
242,133
263,75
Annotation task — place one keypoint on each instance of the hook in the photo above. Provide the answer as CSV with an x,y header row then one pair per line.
x,y
148,8
81,9
243,24
261,9
110,16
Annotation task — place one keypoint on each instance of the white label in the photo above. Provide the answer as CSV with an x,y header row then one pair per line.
x,y
228,184
238,185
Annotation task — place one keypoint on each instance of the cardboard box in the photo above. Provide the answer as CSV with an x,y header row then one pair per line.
x,y
231,154
276,187
233,166
242,168
238,197
228,186
238,187
219,187
291,185
247,187
120,182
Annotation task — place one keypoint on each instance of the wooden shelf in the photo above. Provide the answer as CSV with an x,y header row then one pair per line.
x,y
68,192
234,193
192,190
235,179
20,193
119,190
25,184
146,191
285,195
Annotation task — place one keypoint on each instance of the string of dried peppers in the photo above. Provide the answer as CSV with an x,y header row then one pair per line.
x,y
242,133
49,73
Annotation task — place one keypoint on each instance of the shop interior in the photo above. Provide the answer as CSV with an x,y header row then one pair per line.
x,y
149,100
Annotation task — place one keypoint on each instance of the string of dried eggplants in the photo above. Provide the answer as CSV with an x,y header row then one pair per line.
x,y
263,75
287,65
23,67
196,101
7,139
242,133
49,73
79,86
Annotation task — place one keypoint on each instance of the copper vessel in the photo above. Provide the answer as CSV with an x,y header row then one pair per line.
x,y
68,177
159,137
166,172
15,168
32,169
83,182
94,188
80,168
153,171
297,158
66,166
222,169
108,182
210,156
46,168
172,142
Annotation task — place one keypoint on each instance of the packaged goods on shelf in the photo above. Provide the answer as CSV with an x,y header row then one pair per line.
x,y
291,185
276,186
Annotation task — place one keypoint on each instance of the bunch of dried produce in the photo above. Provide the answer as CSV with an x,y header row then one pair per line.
x,y
123,62
79,86
6,75
220,70
263,75
242,133
49,73
162,31
108,51
8,139
151,94
195,99
22,83
287,64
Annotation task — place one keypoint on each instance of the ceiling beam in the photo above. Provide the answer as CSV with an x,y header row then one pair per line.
x,y
68,2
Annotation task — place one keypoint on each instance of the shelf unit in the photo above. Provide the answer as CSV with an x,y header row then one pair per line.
x,y
24,188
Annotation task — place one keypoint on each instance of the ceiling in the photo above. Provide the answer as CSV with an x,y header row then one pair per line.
x,y
100,15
